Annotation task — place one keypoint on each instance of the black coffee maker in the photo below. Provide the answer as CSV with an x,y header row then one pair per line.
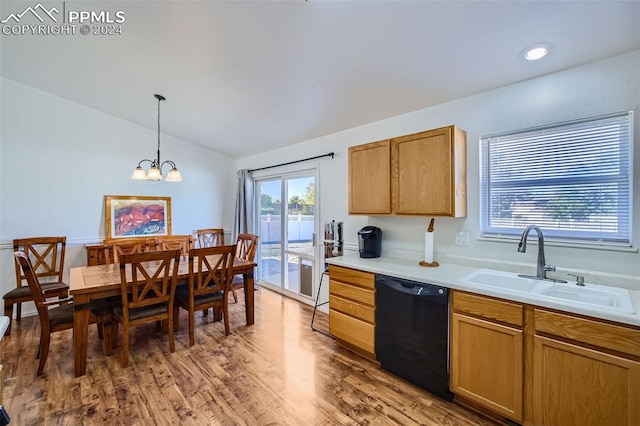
x,y
370,241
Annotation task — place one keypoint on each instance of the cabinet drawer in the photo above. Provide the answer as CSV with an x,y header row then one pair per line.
x,y
609,336
365,313
358,294
352,276
492,309
353,331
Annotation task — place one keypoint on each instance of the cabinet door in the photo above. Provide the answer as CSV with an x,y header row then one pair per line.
x,y
487,364
573,385
370,178
423,168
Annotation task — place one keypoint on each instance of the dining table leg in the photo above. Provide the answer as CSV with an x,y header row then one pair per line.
x,y
248,295
80,333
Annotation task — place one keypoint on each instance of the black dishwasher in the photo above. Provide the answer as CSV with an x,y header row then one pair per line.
x,y
412,332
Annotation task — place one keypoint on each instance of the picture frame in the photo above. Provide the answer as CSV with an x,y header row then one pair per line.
x,y
128,216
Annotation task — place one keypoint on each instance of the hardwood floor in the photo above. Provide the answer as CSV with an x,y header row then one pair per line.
x,y
276,372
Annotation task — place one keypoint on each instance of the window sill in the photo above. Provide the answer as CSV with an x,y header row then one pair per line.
x,y
586,246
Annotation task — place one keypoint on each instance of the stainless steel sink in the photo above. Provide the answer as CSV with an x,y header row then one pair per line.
x,y
599,296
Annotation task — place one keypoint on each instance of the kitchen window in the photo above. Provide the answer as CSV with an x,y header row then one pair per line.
x,y
574,180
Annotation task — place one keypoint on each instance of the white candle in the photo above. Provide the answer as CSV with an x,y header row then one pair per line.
x,y
428,247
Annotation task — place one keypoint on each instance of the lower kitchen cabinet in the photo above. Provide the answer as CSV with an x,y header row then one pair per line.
x,y
352,309
585,372
542,367
487,353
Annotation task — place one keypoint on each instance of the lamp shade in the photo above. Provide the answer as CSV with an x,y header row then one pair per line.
x,y
139,174
154,173
174,176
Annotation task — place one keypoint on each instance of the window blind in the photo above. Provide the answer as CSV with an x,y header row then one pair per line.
x,y
574,180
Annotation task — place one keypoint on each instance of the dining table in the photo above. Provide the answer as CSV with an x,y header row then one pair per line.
x,y
89,283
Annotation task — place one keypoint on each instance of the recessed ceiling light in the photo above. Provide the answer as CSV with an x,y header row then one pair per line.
x,y
536,51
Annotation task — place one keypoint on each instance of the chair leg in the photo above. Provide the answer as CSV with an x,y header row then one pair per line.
x,y
217,313
100,331
44,351
225,313
39,347
125,346
169,321
18,311
114,334
176,318
235,296
192,328
8,311
107,340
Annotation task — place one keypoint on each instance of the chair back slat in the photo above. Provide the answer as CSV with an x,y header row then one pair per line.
x,y
210,237
153,278
246,246
22,258
45,254
172,242
116,247
210,269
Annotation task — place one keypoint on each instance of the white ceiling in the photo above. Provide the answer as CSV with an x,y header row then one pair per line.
x,y
246,77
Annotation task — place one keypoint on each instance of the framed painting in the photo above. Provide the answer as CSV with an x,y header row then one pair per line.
x,y
137,216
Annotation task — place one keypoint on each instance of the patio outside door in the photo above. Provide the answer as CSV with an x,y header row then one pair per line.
x,y
287,252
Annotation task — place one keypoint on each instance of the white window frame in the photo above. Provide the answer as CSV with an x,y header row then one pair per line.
x,y
493,228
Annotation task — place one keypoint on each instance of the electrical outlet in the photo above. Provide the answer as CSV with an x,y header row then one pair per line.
x,y
462,238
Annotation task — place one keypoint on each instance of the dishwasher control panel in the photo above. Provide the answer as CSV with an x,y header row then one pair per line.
x,y
413,288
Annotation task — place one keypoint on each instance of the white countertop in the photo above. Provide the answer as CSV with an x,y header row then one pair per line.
x,y
449,275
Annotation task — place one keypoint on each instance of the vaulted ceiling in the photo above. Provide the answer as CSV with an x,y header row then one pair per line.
x,y
243,77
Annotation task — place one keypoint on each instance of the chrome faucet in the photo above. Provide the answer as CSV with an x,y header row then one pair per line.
x,y
542,268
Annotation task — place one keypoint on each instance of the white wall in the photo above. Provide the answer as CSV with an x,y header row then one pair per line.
x,y
58,160
602,87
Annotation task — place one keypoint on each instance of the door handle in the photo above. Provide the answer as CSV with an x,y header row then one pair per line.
x,y
313,239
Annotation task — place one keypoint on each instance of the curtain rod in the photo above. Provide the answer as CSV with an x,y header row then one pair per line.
x,y
331,154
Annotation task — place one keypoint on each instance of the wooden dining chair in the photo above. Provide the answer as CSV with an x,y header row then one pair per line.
x,y
210,274
116,247
59,318
246,247
47,256
210,237
172,242
147,289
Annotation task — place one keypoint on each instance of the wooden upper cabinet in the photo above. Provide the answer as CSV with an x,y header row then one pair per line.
x,y
428,175
370,178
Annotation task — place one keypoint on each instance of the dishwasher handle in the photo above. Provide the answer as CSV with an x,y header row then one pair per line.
x,y
413,288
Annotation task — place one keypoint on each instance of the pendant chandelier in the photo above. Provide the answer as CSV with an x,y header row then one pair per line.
x,y
155,170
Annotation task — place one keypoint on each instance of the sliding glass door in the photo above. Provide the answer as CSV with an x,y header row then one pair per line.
x,y
287,223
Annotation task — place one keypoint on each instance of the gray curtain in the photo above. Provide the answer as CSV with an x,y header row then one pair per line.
x,y
243,218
